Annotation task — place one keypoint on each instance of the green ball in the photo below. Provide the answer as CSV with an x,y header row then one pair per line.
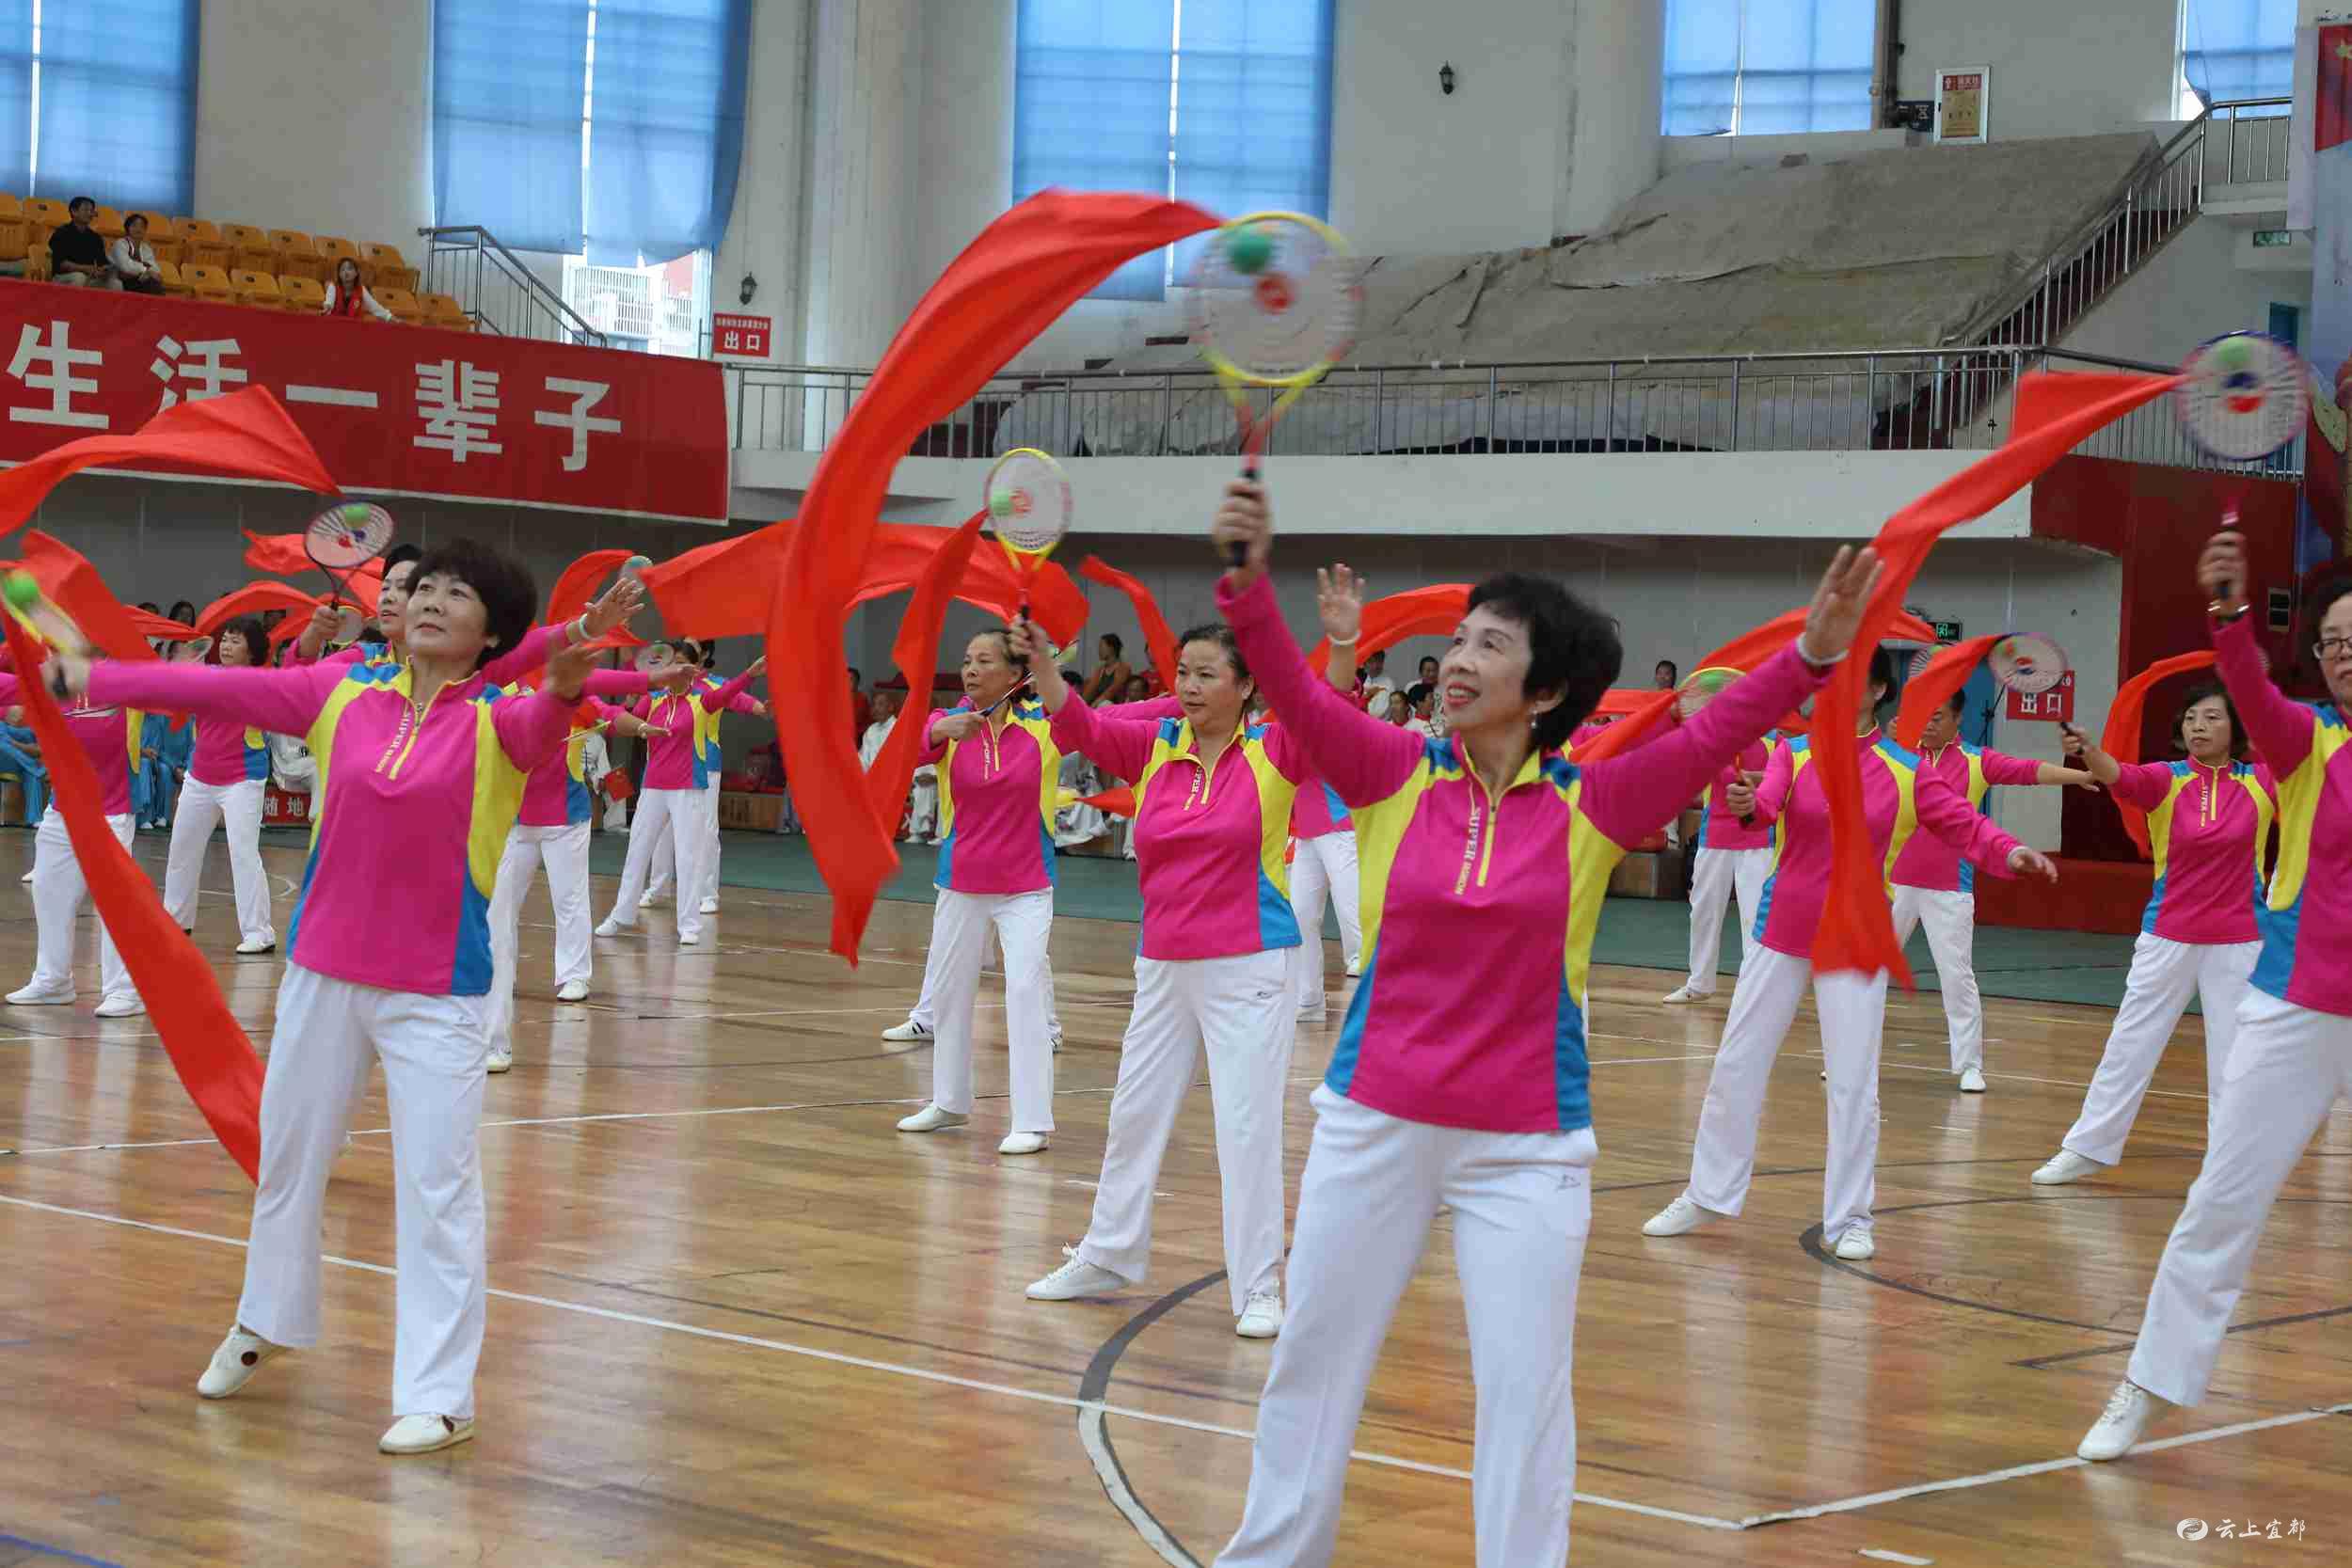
x,y
22,591
2233,354
356,513
1249,249
1001,503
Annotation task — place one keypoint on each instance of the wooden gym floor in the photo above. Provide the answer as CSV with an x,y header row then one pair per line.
x,y
736,1319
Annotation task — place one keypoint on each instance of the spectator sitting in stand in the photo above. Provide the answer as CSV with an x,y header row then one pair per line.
x,y
348,296
1667,675
1137,689
133,260
1111,673
1424,685
77,255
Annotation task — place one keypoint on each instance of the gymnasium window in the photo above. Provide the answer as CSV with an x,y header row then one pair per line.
x,y
1761,68
2235,50
1225,103
608,132
99,100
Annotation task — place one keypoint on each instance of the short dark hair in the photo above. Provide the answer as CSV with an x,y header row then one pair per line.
x,y
509,594
132,219
80,201
255,640
2325,600
1572,648
399,553
1118,648
1957,700
1427,658
1222,635
2198,693
1882,673
1674,671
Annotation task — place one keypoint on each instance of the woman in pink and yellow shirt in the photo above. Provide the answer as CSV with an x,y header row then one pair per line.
x,y
421,770
2208,828
1460,1076
2291,1060
108,734
1213,969
227,774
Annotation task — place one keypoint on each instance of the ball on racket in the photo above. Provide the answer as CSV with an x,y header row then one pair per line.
x,y
1248,250
23,591
2233,354
1003,502
356,513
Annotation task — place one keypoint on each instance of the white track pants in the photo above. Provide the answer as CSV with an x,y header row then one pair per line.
x,y
1714,879
1323,866
565,850
58,889
1240,1009
2164,976
991,951
664,863
326,1034
661,811
960,927
201,805
1952,922
1522,1206
2287,1067
1763,1004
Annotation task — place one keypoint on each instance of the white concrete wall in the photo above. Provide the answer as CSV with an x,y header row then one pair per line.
x,y
2192,290
2068,70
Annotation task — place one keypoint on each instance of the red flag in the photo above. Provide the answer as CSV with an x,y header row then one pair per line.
x,y
253,599
2053,413
283,553
246,434
578,584
73,584
151,624
2121,738
1933,687
207,1048
1158,640
1114,803
1416,612
2331,121
916,655
1023,271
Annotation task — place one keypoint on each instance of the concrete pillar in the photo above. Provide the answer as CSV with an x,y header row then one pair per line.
x,y
1612,63
764,238
864,115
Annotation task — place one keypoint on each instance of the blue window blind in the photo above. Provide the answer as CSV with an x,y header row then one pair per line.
x,y
2239,49
666,126
1090,90
116,88
1768,67
1226,103
16,96
510,80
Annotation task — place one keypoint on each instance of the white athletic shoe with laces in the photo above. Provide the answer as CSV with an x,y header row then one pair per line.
x,y
28,997
1261,1316
425,1435
1856,1246
572,991
930,1119
709,906
910,1030
1682,993
501,1061
234,1363
613,928
1075,1279
1678,1218
1972,1080
1023,1143
2065,1166
2129,1410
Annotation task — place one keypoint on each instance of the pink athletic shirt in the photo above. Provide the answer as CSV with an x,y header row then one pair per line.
x,y
1721,828
2208,829
1925,861
556,793
108,735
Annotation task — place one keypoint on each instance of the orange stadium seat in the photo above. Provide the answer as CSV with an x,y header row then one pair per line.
x,y
206,282
382,266
250,286
11,208
444,311
402,304
108,222
297,293
248,247
174,283
295,255
48,210
200,242
16,239
331,252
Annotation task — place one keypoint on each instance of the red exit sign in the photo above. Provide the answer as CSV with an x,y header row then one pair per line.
x,y
2056,705
741,337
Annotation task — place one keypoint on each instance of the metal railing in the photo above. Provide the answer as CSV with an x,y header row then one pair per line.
x,y
1886,400
498,290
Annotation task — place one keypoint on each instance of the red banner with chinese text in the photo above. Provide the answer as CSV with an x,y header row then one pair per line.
x,y
393,410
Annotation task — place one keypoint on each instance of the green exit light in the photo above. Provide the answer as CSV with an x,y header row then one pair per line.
x,y
2265,237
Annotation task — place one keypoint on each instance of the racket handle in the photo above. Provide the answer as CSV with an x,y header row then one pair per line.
x,y
1237,554
57,686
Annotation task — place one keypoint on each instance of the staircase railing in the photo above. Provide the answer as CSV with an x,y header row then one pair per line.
x,y
498,290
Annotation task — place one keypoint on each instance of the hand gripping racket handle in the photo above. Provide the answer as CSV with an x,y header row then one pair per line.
x,y
1237,553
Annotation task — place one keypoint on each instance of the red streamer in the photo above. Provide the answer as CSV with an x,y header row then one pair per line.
x,y
1157,639
1933,687
73,584
2126,721
246,434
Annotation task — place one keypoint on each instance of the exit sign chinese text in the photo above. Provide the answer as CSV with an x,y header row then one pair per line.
x,y
740,336
2056,705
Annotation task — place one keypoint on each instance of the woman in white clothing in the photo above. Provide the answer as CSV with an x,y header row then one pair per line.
x,y
133,260
349,297
227,774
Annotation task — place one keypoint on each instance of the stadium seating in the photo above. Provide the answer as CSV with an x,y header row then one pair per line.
x,y
294,255
296,292
206,282
444,311
248,247
200,242
402,304
382,266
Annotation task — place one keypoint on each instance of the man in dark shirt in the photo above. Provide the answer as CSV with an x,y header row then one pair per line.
x,y
76,254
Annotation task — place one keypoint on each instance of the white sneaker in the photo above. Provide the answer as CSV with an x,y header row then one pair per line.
x,y
425,1435
1972,1082
501,1061
711,905
28,997
1022,1143
2129,1410
1319,1016
689,939
572,991
910,1030
26,878
253,946
615,926
1855,1246
1682,993
1680,1217
1356,968
1261,1316
1075,1279
120,1007
2065,1166
930,1119
649,899
234,1363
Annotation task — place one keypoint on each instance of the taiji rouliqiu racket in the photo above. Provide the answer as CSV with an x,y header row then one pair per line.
x,y
341,539
195,651
1700,687
1276,301
2027,662
34,611
1029,509
2242,397
632,570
